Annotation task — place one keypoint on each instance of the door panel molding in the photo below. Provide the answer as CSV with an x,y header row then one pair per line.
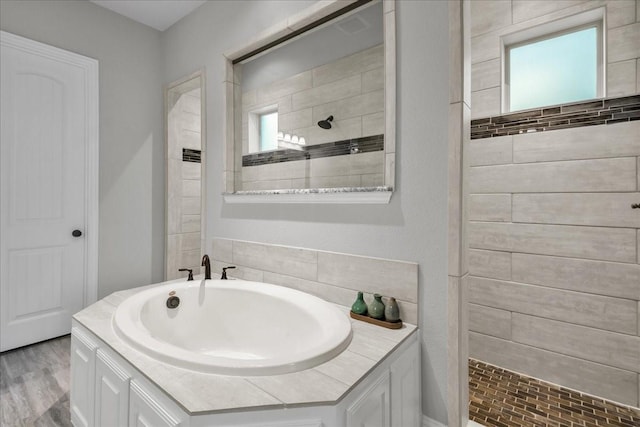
x,y
88,68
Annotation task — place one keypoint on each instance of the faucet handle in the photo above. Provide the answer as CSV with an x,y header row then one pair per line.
x,y
190,273
224,272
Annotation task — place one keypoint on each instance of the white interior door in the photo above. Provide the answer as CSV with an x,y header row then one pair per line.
x,y
45,212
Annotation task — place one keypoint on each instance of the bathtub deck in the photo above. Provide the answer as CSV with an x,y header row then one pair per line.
x,y
200,393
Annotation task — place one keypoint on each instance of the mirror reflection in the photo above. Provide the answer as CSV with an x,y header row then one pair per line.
x,y
312,110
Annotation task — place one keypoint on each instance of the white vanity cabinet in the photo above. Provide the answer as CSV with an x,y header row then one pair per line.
x,y
83,363
372,409
405,388
392,399
108,391
105,391
146,410
111,391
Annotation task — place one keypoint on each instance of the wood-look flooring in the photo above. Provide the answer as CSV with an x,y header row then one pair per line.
x,y
34,385
34,391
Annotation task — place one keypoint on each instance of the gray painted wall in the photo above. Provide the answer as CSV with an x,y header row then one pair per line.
x,y
131,139
412,227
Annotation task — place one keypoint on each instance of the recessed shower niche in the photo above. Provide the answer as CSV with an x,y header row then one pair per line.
x,y
184,136
313,111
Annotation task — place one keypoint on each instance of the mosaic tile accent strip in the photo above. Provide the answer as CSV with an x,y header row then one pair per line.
x,y
600,112
502,398
193,156
365,144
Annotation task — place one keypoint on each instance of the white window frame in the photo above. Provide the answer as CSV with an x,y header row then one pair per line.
x,y
590,19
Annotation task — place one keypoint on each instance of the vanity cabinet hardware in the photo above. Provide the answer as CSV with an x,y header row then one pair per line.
x,y
635,206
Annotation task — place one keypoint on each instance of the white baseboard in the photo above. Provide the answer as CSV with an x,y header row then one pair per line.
x,y
430,422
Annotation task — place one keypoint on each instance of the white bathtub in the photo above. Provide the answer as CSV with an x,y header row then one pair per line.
x,y
233,327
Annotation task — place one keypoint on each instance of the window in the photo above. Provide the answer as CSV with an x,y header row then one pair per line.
x,y
269,131
564,65
262,130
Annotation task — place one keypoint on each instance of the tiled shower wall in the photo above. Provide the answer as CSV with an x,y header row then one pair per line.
x,y
184,180
332,276
351,170
554,283
352,90
491,19
554,246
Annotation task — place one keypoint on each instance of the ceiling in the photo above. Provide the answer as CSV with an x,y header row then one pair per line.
x,y
158,14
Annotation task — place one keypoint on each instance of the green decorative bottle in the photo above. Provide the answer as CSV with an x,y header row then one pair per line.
x,y
392,311
359,306
376,308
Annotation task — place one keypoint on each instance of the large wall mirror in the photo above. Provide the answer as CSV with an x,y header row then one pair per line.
x,y
311,110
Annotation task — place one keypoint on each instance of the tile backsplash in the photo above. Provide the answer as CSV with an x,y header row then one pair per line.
x,y
335,277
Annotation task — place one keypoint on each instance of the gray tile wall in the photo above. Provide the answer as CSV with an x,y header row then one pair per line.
x,y
184,181
492,19
332,276
554,285
553,244
352,90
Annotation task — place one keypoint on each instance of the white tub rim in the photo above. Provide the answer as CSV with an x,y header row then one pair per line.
x,y
128,326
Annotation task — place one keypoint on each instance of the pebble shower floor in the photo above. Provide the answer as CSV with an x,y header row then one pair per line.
x,y
501,398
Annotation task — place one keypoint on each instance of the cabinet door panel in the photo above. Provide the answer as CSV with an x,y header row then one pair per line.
x,y
146,411
112,392
372,409
405,388
83,365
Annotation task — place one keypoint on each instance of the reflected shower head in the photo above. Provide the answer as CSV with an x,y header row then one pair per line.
x,y
326,124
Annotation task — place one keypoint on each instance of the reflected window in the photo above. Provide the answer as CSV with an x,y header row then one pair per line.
x,y
554,69
269,131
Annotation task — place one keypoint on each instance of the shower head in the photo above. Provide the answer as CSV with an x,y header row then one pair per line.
x,y
326,124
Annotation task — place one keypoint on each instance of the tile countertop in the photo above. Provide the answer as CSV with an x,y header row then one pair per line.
x,y
202,393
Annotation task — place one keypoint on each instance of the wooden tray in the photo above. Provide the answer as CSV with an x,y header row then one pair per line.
x,y
383,323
